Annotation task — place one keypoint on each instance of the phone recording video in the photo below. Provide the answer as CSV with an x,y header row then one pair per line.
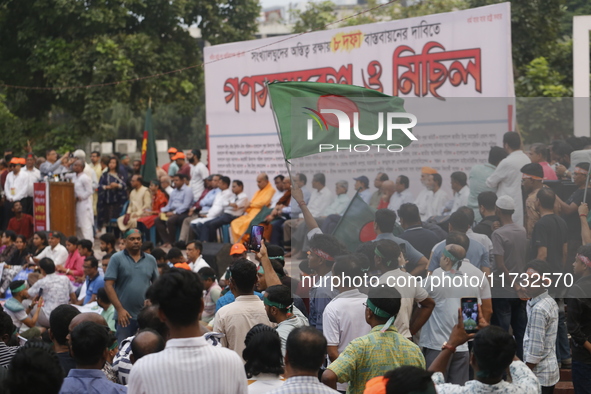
x,y
470,314
256,237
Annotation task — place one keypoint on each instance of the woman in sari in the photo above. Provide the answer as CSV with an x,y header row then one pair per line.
x,y
111,193
159,201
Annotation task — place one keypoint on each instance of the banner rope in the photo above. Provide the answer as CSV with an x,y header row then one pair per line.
x,y
189,67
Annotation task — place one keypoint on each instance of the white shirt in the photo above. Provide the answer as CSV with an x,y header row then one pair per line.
x,y
461,198
398,199
287,326
507,180
276,197
241,200
56,291
423,202
484,241
217,208
16,187
410,292
263,383
447,298
88,170
319,201
440,198
34,176
82,186
59,254
343,321
188,365
198,173
198,264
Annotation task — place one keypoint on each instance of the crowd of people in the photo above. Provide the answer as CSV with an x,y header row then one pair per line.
x,y
150,314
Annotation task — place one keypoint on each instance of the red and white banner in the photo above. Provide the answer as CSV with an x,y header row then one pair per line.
x,y
463,54
41,206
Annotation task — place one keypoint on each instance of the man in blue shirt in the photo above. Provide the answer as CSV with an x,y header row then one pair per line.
x,y
94,280
128,276
89,346
175,211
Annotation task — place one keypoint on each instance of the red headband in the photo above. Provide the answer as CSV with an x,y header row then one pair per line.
x,y
322,254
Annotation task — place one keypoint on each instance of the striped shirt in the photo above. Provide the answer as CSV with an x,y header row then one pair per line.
x,y
303,385
189,365
539,342
6,354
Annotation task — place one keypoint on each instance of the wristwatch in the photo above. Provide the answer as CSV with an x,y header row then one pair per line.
x,y
446,346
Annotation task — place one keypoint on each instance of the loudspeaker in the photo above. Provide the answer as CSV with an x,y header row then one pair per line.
x,y
217,255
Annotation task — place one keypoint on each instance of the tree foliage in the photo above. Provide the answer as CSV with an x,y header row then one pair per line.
x,y
66,43
316,17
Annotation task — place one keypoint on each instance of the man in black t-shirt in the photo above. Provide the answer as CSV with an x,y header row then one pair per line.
x,y
549,236
486,206
569,209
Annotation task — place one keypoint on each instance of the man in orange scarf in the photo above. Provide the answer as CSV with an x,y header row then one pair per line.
x,y
260,199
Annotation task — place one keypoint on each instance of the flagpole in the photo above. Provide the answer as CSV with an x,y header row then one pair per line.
x,y
344,213
287,163
586,184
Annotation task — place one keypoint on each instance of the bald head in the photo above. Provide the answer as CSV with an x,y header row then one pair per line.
x,y
262,180
388,187
144,343
88,316
457,251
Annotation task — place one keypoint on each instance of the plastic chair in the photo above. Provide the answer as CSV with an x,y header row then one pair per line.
x,y
225,231
113,222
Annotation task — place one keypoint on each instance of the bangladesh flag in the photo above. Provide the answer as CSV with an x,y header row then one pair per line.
x,y
149,158
356,224
315,117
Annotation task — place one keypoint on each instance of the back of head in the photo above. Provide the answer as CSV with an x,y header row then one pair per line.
x,y
583,166
305,349
458,238
496,155
469,213
207,273
178,294
387,299
561,148
409,379
280,296
512,139
388,251
148,319
244,275
409,213
350,266
146,342
47,265
60,320
547,198
174,253
494,350
88,343
487,200
7,328
101,295
147,246
263,351
159,254
276,252
35,368
328,244
385,219
460,221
